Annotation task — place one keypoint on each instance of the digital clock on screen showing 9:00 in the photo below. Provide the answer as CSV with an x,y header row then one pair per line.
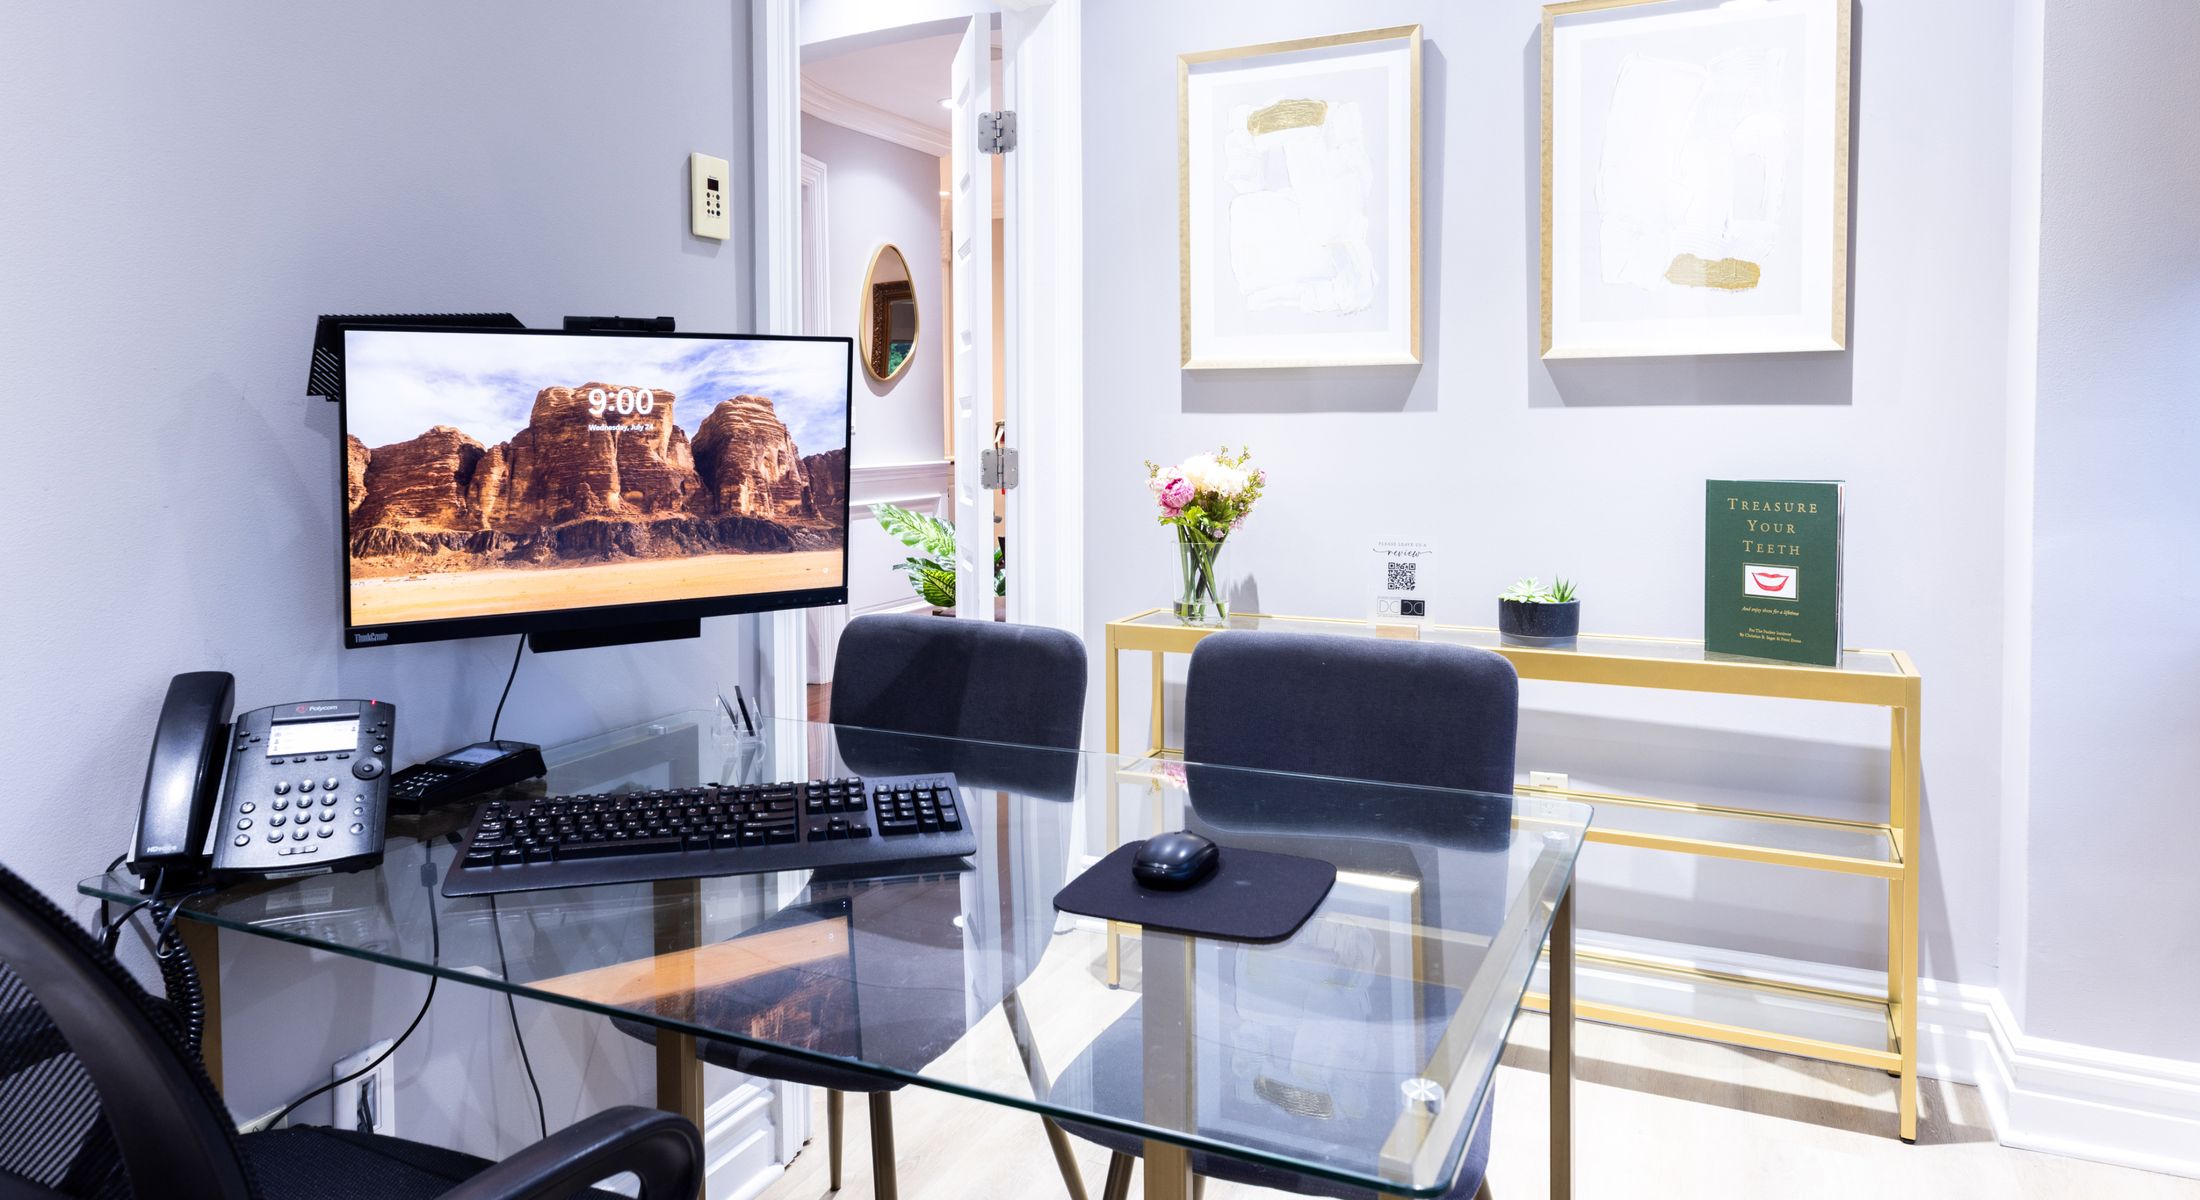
x,y
624,401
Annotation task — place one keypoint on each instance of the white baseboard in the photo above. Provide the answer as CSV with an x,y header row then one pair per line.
x,y
2086,1102
739,1152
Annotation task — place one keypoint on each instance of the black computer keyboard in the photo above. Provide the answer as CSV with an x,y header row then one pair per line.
x,y
519,844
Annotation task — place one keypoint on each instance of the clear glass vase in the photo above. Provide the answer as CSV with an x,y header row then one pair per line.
x,y
1199,589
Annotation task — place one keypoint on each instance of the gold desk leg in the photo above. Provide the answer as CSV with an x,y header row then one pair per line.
x,y
1114,746
1168,1171
203,943
1160,717
1912,786
1562,1049
679,904
1169,1072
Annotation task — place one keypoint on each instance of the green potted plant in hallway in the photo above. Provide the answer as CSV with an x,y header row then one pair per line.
x,y
931,566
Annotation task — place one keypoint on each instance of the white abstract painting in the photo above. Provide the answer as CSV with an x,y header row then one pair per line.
x,y
1299,210
1697,199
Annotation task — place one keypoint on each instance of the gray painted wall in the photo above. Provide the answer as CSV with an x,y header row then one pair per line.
x,y
184,189
877,192
2113,928
1595,470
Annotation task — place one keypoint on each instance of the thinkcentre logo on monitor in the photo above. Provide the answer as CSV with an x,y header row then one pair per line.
x,y
370,637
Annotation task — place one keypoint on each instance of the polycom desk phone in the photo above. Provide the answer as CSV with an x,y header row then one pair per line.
x,y
295,789
464,772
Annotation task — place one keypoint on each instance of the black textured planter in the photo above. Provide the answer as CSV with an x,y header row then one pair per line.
x,y
1527,623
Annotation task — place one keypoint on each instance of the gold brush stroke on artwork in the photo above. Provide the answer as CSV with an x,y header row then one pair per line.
x,y
1287,114
1726,274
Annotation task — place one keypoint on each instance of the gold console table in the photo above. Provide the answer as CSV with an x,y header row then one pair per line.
x,y
1742,1010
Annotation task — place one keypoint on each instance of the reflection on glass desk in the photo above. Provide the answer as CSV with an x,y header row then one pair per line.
x,y
1359,1050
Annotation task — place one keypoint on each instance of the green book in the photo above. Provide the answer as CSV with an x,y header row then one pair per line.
x,y
1772,569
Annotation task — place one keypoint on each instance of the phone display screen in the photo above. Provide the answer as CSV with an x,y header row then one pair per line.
x,y
474,755
313,737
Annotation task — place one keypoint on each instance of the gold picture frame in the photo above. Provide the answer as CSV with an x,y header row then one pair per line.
x,y
1195,357
1835,336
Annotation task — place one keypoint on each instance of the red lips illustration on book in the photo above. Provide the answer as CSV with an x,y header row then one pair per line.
x,y
1771,582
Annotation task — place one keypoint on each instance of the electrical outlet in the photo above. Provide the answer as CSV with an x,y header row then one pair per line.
x,y
367,1104
708,184
1547,779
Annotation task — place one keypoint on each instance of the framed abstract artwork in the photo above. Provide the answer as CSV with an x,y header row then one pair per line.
x,y
1299,202
1695,177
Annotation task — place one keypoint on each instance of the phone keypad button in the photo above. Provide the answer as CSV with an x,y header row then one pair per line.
x,y
243,840
329,783
248,807
356,827
282,787
275,836
244,822
328,814
324,832
298,834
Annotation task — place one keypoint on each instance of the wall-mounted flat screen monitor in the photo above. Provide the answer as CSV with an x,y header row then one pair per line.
x,y
539,481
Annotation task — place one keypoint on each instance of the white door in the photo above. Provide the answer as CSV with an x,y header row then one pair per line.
x,y
970,186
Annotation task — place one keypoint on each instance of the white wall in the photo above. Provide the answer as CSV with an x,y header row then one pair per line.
x,y
1595,470
878,193
184,189
2112,932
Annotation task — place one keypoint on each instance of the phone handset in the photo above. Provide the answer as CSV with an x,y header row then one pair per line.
x,y
183,777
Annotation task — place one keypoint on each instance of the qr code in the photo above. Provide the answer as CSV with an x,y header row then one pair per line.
x,y
1402,576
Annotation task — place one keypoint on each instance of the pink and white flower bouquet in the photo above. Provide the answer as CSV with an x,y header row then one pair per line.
x,y
1207,496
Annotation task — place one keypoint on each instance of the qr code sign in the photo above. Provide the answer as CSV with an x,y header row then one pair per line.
x,y
1402,576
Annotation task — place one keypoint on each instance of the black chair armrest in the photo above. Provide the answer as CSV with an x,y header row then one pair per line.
x,y
662,1148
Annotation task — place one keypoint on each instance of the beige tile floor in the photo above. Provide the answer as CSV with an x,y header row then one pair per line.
x,y
1655,1117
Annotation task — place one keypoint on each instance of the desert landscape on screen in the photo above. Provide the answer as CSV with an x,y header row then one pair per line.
x,y
601,497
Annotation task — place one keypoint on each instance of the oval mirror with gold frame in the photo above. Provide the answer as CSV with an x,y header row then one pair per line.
x,y
888,323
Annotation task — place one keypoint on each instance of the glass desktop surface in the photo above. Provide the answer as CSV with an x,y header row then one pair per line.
x,y
1299,1054
1869,662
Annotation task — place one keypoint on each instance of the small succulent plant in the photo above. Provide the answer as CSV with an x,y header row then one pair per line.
x,y
1532,591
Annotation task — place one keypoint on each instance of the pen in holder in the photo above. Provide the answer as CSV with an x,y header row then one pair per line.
x,y
740,742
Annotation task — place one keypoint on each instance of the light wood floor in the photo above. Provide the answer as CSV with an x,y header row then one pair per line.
x,y
1655,1117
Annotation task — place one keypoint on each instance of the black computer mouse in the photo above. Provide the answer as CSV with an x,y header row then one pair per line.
x,y
1175,861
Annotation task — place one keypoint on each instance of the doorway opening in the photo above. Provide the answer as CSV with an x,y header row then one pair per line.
x,y
881,262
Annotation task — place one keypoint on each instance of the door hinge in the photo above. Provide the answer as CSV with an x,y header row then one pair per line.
x,y
996,132
997,469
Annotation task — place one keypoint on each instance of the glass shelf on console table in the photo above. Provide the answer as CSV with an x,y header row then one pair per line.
x,y
1877,1029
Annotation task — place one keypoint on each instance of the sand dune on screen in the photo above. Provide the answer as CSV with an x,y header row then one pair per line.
x,y
535,589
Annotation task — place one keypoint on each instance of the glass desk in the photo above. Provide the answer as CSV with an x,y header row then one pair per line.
x,y
1360,1051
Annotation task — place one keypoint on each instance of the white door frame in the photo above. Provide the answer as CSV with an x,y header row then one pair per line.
x,y
1045,295
775,109
1040,51
970,324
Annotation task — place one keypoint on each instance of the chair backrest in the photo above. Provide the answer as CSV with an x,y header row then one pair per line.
x,y
982,680
1421,713
97,1092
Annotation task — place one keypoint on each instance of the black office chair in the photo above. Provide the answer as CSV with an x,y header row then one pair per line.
x,y
980,680
100,1100
1416,713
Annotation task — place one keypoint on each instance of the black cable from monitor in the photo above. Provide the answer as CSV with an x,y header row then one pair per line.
x,y
499,717
504,967
435,934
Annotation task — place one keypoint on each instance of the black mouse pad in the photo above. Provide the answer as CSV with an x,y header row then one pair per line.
x,y
1253,896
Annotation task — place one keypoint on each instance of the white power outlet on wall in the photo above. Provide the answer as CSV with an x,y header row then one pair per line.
x,y
369,1103
1547,779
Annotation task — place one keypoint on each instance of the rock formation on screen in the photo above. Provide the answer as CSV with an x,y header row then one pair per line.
x,y
576,486
828,476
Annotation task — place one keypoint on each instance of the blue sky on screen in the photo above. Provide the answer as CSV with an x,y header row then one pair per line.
x,y
398,384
